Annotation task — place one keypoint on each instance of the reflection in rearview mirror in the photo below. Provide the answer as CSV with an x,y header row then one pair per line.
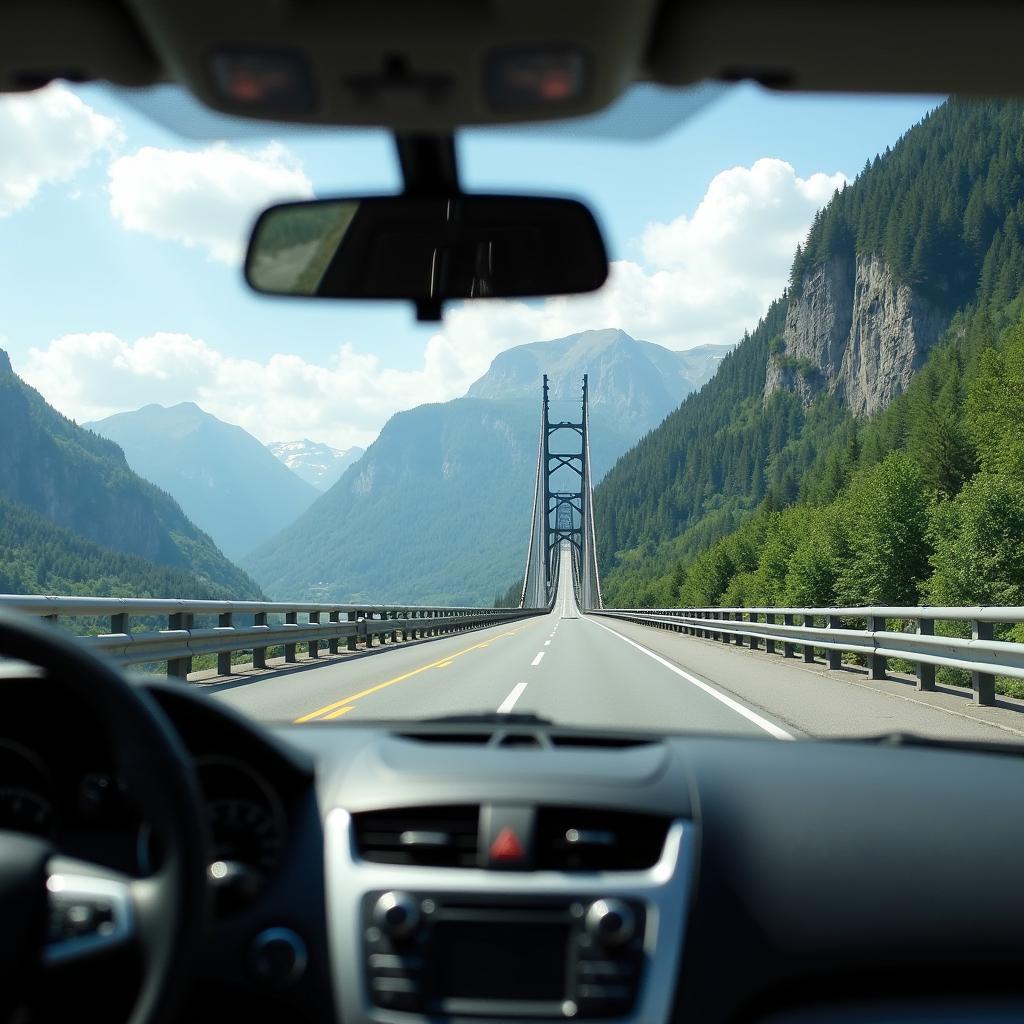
x,y
427,250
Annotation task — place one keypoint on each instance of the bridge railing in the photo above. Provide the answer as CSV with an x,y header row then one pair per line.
x,y
182,640
836,631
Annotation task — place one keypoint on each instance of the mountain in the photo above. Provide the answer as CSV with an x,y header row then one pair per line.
x,y
37,557
835,455
224,479
635,383
438,508
56,476
318,464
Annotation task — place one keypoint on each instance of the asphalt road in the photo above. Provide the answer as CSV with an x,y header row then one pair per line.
x,y
594,671
561,666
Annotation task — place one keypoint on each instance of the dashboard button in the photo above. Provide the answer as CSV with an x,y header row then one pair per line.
x,y
397,914
277,956
611,922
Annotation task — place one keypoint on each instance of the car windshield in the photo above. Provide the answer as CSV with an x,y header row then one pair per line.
x,y
767,480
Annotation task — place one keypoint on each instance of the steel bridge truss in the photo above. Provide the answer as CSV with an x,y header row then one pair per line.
x,y
560,515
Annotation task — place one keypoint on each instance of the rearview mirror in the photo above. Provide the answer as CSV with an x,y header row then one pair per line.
x,y
427,250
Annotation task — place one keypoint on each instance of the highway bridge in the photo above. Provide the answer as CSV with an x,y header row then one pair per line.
x,y
787,673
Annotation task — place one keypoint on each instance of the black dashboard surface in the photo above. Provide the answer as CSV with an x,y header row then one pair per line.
x,y
823,874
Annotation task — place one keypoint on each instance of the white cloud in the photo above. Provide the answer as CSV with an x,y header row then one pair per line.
x,y
343,401
705,278
207,198
46,136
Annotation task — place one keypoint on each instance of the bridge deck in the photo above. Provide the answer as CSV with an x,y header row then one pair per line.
x,y
587,671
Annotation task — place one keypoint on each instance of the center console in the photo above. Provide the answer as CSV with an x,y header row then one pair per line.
x,y
479,943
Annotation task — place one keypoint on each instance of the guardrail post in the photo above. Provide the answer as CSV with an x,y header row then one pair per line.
x,y
833,657
769,644
394,633
350,642
925,672
119,623
224,621
788,648
982,683
290,657
808,648
755,641
313,647
332,642
367,629
738,637
876,663
259,654
179,668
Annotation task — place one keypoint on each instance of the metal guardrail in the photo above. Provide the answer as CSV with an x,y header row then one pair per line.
x,y
181,641
830,629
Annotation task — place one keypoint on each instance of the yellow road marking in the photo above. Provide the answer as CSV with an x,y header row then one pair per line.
x,y
340,707
339,712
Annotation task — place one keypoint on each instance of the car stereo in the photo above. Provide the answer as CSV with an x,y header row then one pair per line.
x,y
460,955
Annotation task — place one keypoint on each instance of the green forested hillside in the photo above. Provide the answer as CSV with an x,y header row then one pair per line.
x,y
79,482
37,557
946,207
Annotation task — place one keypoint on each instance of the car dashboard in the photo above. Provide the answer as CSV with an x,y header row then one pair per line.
x,y
509,870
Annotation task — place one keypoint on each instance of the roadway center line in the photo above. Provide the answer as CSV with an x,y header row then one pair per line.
x,y
740,709
340,707
510,701
536,661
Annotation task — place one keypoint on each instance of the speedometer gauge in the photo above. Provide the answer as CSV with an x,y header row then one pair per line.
x,y
24,810
246,818
27,798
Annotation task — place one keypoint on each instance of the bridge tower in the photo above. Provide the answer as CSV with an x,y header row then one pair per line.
x,y
562,510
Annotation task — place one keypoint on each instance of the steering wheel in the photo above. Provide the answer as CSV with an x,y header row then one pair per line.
x,y
55,910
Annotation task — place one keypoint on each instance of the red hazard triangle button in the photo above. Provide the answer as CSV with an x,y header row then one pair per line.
x,y
506,847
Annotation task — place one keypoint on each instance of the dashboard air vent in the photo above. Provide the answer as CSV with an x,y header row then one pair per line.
x,y
591,839
430,836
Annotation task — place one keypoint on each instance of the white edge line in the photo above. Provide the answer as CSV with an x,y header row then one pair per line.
x,y
536,661
510,701
740,709
547,643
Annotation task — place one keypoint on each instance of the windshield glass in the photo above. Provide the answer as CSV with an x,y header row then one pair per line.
x,y
767,480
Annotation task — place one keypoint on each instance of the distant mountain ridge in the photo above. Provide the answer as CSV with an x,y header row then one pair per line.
x,y
56,474
638,380
317,463
227,482
437,509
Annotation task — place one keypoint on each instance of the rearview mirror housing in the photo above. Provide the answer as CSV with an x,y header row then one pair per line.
x,y
427,250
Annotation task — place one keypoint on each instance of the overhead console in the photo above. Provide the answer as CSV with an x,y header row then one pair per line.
x,y
403,64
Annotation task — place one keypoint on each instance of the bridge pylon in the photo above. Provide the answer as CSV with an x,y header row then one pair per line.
x,y
563,506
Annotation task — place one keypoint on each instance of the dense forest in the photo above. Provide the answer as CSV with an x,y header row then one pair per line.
x,y
63,485
736,500
37,557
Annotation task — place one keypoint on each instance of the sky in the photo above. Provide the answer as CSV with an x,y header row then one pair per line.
x,y
121,241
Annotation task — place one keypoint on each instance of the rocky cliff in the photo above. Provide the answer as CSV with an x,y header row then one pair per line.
x,y
855,331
